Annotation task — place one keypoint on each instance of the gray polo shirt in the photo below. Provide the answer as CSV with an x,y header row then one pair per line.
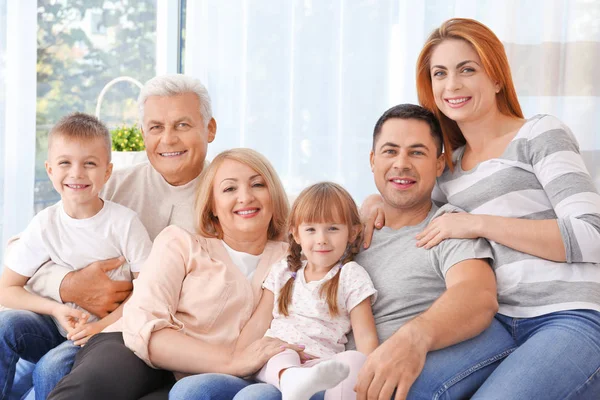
x,y
409,279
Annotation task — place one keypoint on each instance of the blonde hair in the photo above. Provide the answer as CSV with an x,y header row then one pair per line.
x,y
81,126
208,225
495,63
321,203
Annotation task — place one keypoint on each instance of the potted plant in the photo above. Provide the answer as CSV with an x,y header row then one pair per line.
x,y
127,142
127,146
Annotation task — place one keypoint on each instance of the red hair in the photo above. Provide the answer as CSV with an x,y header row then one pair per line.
x,y
495,63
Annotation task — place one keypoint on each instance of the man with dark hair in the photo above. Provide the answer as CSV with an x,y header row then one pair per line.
x,y
433,303
411,111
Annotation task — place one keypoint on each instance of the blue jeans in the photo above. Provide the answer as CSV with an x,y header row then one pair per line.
x,y
455,372
558,358
225,387
22,388
555,356
33,338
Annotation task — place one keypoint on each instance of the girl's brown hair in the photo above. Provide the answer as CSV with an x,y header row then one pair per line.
x,y
321,203
495,63
208,225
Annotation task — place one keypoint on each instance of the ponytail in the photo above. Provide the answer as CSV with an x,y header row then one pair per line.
x,y
294,260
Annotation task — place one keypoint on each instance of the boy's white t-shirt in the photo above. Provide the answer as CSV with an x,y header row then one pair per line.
x,y
76,243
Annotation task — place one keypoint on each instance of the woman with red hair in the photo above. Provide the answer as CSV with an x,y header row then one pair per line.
x,y
525,188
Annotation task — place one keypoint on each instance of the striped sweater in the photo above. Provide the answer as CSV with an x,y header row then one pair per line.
x,y
540,175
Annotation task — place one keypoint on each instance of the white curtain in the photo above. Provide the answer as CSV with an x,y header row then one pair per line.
x,y
2,102
304,81
17,115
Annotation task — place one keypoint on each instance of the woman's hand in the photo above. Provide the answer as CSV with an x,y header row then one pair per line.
x,y
371,212
246,362
305,357
449,226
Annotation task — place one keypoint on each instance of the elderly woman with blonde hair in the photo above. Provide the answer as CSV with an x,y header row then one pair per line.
x,y
196,291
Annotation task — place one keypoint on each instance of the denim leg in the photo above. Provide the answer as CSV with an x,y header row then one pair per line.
x,y
52,367
23,381
207,387
259,391
26,335
558,358
456,372
30,395
265,391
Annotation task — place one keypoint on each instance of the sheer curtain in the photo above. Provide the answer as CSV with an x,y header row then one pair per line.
x,y
2,107
304,81
17,115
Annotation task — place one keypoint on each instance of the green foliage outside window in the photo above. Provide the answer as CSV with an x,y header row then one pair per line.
x,y
81,46
127,138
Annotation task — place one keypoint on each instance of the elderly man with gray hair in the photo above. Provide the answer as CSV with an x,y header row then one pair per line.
x,y
177,125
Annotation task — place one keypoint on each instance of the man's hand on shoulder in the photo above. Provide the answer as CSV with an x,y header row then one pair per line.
x,y
91,288
394,365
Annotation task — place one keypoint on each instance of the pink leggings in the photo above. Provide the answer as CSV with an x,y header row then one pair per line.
x,y
289,358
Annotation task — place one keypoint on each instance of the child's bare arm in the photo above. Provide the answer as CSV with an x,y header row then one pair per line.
x,y
258,324
363,326
14,295
83,332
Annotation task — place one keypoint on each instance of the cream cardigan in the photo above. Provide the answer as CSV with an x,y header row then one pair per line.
x,y
189,283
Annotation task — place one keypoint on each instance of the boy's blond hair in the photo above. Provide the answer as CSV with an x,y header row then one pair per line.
x,y
81,126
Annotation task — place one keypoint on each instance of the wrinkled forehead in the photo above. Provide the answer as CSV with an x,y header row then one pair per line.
x,y
172,108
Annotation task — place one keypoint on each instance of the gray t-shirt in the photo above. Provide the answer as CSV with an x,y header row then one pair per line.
x,y
409,278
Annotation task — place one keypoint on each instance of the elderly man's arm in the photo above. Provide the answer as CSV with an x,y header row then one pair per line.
x,y
90,288
465,310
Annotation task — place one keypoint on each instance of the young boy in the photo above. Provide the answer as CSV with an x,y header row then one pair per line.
x,y
78,230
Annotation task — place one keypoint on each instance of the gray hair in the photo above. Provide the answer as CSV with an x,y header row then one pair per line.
x,y
172,85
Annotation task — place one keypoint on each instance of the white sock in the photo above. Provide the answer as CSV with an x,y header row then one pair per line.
x,y
302,383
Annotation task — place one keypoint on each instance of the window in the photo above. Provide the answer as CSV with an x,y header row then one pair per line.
x,y
82,46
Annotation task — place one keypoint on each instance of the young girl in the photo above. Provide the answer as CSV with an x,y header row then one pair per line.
x,y
315,303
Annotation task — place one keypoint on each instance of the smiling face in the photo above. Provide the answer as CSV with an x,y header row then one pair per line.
x,y
323,244
405,164
78,170
176,137
241,201
462,89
